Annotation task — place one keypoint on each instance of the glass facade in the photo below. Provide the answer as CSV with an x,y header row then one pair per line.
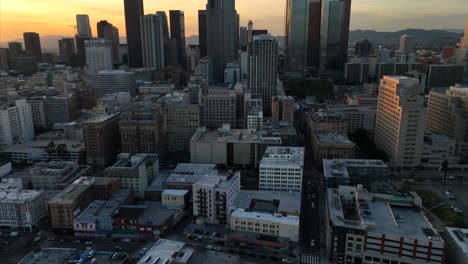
x,y
296,34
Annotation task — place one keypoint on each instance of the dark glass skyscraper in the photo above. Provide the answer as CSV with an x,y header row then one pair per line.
x,y
107,31
222,34
334,34
178,33
133,11
313,35
202,38
32,44
296,35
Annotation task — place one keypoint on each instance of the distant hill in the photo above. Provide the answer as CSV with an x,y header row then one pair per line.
x,y
419,35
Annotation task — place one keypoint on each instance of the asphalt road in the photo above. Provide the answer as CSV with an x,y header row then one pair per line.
x,y
311,220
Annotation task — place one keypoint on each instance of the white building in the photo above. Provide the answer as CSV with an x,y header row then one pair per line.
x,y
98,55
273,214
174,199
20,208
281,169
401,120
213,195
457,245
255,119
168,252
16,124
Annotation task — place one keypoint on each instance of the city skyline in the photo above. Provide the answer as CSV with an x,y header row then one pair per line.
x,y
365,14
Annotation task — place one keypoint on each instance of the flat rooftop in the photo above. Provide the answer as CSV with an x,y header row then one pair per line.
x,y
165,249
338,168
155,214
273,218
100,208
333,138
288,202
193,168
283,156
36,146
99,119
232,135
175,192
214,257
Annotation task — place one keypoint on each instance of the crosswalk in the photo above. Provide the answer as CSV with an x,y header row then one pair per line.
x,y
310,259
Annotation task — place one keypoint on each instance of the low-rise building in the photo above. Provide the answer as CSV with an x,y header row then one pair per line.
x,y
372,174
213,195
96,219
21,208
274,214
134,171
281,169
174,199
282,108
331,146
367,228
52,175
168,251
457,244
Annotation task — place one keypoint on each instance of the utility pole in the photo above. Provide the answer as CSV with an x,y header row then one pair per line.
x,y
445,169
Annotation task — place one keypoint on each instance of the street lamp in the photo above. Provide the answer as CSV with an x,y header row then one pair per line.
x,y
445,169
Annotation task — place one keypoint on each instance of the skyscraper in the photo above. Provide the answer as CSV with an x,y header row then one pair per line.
x,y
152,36
98,55
334,34
106,30
83,27
66,50
406,44
15,49
296,35
133,11
202,37
32,44
243,38
464,39
222,30
263,53
178,32
401,120
313,35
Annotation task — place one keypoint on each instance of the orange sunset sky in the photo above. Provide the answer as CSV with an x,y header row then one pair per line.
x,y
52,17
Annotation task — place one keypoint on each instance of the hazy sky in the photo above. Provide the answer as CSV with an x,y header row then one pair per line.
x,y
52,17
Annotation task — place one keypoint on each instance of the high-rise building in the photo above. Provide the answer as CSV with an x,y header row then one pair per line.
x,y
219,107
443,75
102,140
363,48
334,34
183,120
98,55
143,129
66,50
178,32
83,26
406,44
16,123
202,33
133,11
281,169
24,63
313,36
296,35
263,53
222,34
401,121
15,49
107,31
4,66
243,38
110,82
152,41
282,108
32,44
447,114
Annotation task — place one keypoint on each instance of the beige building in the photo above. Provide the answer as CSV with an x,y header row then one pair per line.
x,y
174,199
219,107
282,108
183,120
447,114
134,172
332,146
401,120
102,140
